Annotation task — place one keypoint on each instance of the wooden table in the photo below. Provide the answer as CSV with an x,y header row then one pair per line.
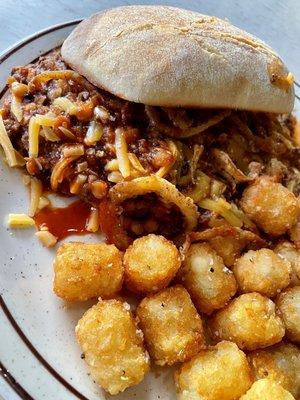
x,y
275,21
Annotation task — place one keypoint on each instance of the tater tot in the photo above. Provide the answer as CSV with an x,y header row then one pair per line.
x,y
262,271
280,363
112,346
266,389
270,205
219,373
171,326
151,262
288,252
87,270
288,303
210,283
251,321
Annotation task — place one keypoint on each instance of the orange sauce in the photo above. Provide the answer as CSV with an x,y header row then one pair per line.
x,y
65,221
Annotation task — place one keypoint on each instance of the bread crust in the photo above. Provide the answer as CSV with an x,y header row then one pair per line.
x,y
167,56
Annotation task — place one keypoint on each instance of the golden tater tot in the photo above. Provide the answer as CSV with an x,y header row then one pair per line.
x,y
266,389
251,321
112,346
270,205
280,363
151,262
209,282
86,270
288,303
171,326
262,271
219,373
288,252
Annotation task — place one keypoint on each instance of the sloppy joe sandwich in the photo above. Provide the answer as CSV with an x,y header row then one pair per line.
x,y
162,120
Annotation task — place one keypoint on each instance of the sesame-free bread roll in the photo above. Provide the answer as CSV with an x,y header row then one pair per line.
x,y
167,56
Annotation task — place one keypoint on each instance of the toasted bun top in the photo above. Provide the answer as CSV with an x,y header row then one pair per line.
x,y
167,56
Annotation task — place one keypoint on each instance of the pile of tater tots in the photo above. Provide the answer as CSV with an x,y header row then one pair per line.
x,y
223,307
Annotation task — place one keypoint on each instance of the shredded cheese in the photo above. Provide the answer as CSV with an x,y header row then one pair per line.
x,y
112,165
20,159
46,76
94,133
33,137
243,217
93,223
46,120
57,174
73,150
99,189
46,238
163,171
121,152
16,107
101,113
49,134
135,162
7,146
19,89
115,177
66,105
20,221
36,190
222,208
43,202
78,183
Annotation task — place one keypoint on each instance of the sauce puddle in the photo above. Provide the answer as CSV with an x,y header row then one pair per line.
x,y
65,221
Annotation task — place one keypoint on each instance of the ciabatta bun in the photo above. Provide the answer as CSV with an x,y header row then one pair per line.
x,y
166,56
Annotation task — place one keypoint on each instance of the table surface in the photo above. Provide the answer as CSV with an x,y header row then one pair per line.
x,y
275,21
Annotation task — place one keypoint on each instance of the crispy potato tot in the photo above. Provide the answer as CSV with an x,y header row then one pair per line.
x,y
266,389
262,271
288,303
112,346
288,252
221,372
151,262
280,363
251,321
270,205
171,326
86,270
210,283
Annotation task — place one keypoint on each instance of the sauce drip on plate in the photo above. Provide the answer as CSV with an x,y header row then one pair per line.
x,y
65,221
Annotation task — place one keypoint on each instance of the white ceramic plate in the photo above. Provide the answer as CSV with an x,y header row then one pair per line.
x,y
40,358
39,355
